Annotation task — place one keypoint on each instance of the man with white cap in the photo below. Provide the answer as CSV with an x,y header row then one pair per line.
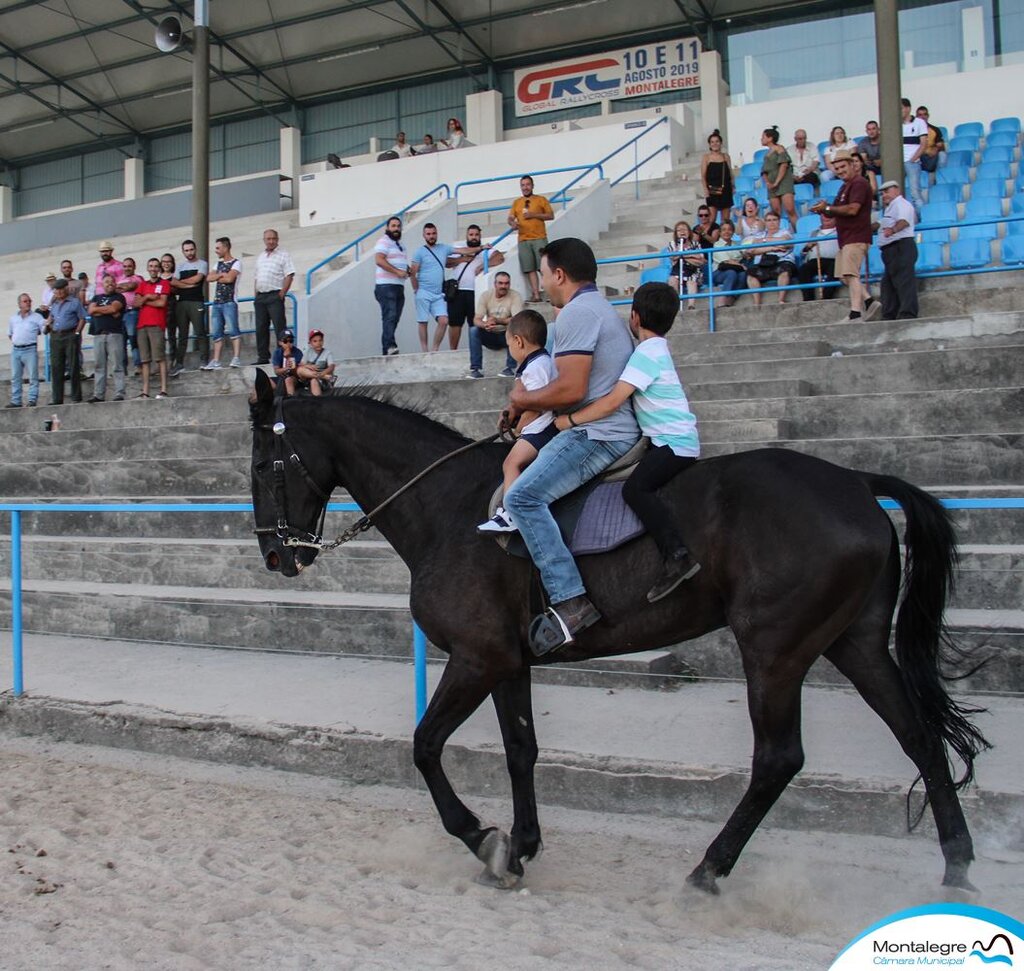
x,y
47,294
899,254
108,266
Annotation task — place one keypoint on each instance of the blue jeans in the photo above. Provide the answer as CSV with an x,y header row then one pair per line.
x,y
130,320
564,464
730,279
913,173
391,297
24,359
224,316
492,340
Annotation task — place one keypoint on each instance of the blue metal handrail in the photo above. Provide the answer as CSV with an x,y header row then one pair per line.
x,y
516,176
639,165
400,212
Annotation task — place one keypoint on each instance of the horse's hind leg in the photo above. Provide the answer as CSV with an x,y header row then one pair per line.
x,y
862,654
459,693
514,707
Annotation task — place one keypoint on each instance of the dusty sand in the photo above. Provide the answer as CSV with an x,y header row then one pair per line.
x,y
121,860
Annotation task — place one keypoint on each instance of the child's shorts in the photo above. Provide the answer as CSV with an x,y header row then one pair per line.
x,y
539,439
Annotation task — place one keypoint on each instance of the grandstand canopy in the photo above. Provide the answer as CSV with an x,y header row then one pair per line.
x,y
73,72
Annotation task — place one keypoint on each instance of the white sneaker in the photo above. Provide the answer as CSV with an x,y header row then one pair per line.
x,y
236,362
212,366
500,522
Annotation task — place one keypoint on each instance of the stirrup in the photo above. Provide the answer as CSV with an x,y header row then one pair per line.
x,y
548,632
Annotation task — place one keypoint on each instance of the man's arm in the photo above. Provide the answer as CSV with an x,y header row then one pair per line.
x,y
188,282
565,391
287,285
414,270
601,408
382,261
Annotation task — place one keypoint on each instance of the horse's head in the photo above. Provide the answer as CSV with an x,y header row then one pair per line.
x,y
290,483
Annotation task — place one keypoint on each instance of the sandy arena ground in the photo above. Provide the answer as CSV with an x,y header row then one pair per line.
x,y
121,860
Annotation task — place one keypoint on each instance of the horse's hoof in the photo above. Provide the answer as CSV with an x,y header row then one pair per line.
x,y
487,879
957,883
495,852
704,879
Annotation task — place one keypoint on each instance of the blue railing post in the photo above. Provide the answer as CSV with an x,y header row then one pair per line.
x,y
710,267
419,650
16,651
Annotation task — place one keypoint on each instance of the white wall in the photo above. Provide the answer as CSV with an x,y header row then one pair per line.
x,y
370,190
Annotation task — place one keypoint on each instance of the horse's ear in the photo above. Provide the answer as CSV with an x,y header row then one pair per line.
x,y
264,388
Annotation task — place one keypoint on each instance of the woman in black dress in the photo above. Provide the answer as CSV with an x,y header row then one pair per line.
x,y
716,174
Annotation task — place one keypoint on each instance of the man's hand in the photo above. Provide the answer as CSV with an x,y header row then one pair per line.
x,y
818,206
562,423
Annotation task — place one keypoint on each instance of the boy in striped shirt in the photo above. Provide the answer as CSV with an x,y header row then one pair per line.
x,y
664,416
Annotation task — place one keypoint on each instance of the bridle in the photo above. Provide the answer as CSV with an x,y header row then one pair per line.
x,y
290,535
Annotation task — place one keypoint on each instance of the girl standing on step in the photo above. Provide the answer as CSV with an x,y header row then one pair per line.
x,y
716,174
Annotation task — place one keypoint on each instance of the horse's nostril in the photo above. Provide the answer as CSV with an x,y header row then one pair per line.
x,y
273,561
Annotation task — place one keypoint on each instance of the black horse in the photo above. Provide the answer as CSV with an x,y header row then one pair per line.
x,y
798,560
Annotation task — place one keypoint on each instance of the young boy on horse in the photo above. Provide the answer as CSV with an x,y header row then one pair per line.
x,y
664,415
526,336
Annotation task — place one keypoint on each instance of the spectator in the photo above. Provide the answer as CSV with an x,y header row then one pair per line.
x,y
392,270
528,214
152,297
837,142
274,275
426,270
428,147
67,321
820,261
772,262
67,271
777,170
805,160
224,309
934,154
870,148
189,307
461,307
860,167
317,368
915,140
685,270
591,349
899,254
24,329
852,213
47,294
716,174
527,336
86,291
401,147
286,360
494,309
749,222
706,230
108,264
107,313
455,136
728,270
127,286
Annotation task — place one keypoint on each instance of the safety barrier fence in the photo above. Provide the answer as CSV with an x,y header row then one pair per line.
x,y
419,638
709,292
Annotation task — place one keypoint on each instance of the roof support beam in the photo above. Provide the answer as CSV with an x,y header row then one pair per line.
x,y
705,36
426,30
441,9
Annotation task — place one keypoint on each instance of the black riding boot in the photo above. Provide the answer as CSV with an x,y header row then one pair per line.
x,y
679,566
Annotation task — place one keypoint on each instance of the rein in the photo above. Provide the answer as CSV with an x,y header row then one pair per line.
x,y
291,535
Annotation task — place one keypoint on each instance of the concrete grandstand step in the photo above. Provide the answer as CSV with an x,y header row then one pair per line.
x,y
990,577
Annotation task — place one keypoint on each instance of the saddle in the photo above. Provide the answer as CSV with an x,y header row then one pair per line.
x,y
594,518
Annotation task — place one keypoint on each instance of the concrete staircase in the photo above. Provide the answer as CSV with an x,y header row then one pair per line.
x,y
937,401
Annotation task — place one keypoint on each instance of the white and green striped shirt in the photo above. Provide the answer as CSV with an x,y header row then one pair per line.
x,y
659,401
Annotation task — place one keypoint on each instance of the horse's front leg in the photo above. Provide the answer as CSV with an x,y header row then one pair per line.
x,y
458,695
513,704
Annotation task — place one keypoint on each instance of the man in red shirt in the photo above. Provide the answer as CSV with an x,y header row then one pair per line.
x,y
852,213
151,302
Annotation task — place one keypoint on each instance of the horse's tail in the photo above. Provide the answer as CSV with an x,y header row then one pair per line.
x,y
923,642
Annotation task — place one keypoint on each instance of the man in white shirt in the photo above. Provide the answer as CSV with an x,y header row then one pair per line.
x,y
805,160
915,139
820,261
274,274
401,147
899,254
390,273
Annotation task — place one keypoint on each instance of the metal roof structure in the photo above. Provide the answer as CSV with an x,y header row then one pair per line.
x,y
78,72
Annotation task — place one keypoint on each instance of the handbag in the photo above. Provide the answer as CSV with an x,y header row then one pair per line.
x,y
450,288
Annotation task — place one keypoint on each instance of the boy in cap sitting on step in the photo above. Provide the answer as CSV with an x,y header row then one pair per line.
x,y
286,360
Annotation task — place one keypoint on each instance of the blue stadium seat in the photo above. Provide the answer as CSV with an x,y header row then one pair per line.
x,y
963,143
984,208
945,193
1018,183
993,170
875,265
760,154
760,193
998,139
1013,250
985,231
803,192
969,254
821,152
937,212
806,225
929,257
655,274
945,133
1017,204
975,128
829,190
953,176
988,189
959,159
1005,124
998,154
744,185
752,170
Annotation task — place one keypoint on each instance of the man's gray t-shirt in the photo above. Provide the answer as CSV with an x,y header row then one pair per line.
x,y
588,324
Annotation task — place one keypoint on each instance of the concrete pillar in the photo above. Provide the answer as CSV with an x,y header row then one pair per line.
x,y
714,96
134,178
887,52
291,165
6,204
756,85
972,23
483,122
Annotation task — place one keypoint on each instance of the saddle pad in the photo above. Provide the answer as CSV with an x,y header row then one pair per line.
x,y
593,519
